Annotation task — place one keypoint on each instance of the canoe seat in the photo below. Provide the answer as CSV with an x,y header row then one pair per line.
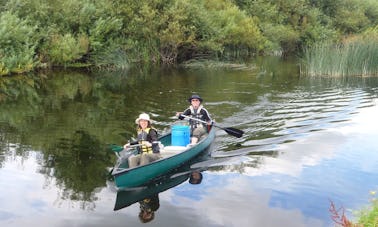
x,y
168,151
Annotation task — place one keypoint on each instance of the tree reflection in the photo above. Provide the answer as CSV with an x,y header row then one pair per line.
x,y
70,116
61,118
79,166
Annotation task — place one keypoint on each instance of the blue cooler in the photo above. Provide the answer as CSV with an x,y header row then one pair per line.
x,y
180,135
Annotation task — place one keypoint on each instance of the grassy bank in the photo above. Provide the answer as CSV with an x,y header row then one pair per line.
x,y
359,57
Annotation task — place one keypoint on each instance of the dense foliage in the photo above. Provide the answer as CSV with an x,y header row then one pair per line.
x,y
46,33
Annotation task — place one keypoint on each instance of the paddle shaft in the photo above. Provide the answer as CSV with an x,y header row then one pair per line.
x,y
195,119
117,149
121,148
231,131
132,146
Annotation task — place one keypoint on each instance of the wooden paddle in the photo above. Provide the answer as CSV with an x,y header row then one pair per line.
x,y
231,131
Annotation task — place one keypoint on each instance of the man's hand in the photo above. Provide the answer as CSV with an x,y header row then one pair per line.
x,y
178,114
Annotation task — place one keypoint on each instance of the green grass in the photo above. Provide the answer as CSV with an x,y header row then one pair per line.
x,y
358,58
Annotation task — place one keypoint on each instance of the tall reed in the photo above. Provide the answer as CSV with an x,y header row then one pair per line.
x,y
358,57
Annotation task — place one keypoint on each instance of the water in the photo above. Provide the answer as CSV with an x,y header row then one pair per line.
x,y
308,142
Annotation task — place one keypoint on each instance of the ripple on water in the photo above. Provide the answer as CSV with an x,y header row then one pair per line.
x,y
284,118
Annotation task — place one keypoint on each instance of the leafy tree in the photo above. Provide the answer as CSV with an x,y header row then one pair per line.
x,y
289,26
349,16
233,25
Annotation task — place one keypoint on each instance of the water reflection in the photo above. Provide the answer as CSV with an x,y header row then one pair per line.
x,y
148,207
303,141
148,196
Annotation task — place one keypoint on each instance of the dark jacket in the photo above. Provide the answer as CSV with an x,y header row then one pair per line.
x,y
201,113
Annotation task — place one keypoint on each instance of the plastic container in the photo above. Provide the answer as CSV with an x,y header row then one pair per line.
x,y
180,135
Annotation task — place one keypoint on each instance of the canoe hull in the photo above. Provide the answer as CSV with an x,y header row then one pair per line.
x,y
141,175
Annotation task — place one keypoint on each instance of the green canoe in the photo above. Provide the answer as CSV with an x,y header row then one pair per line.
x,y
172,157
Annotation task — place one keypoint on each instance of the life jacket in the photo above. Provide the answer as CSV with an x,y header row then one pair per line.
x,y
196,114
143,136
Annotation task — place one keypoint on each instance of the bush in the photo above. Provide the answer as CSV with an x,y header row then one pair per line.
x,y
65,49
18,40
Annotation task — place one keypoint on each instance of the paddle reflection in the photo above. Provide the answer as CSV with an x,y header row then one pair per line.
x,y
148,196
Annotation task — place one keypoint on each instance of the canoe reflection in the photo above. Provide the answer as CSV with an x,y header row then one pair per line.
x,y
148,196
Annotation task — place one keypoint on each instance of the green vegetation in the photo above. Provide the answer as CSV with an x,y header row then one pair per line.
x,y
369,216
365,217
116,34
358,57
18,41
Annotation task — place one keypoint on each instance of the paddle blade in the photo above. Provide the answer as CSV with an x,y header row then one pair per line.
x,y
116,148
234,132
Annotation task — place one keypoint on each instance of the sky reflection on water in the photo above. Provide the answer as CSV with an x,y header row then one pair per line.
x,y
293,189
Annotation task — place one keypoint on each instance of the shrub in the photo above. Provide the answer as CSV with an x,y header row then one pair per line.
x,y
65,49
17,44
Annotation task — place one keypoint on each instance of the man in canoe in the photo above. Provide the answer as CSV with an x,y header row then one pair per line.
x,y
196,111
148,150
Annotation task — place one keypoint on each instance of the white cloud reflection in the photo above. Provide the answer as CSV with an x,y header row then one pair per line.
x,y
239,203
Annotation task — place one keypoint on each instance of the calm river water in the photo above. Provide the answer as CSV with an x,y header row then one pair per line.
x,y
309,142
